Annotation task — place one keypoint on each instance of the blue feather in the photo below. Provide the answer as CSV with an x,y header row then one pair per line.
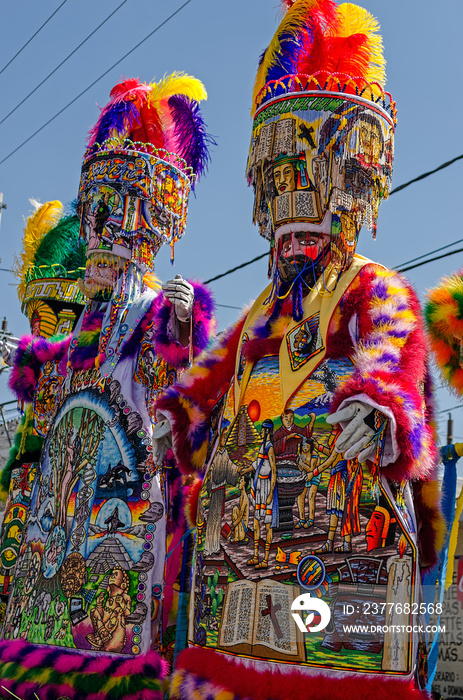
x,y
116,119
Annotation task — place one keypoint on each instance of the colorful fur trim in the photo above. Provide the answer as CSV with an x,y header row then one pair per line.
x,y
26,448
444,319
203,327
202,674
191,501
189,405
85,352
390,361
164,345
26,669
32,352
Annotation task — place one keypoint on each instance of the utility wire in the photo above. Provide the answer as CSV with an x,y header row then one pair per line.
x,y
425,262
32,37
95,81
396,189
430,172
425,255
62,62
453,408
234,269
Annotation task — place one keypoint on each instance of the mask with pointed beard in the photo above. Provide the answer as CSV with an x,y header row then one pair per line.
x,y
302,267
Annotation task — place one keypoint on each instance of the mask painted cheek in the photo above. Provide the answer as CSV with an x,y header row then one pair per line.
x,y
310,251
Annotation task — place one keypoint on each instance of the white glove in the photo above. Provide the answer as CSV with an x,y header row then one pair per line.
x,y
162,440
356,434
9,350
181,294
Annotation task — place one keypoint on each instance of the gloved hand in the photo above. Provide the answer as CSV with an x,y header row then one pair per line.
x,y
162,440
9,350
181,294
357,433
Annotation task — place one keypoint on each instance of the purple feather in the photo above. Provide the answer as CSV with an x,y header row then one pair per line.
x,y
115,119
190,133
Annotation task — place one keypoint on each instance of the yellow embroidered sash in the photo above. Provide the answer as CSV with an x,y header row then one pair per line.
x,y
323,300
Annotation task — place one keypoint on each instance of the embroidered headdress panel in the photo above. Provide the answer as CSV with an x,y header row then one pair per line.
x,y
323,129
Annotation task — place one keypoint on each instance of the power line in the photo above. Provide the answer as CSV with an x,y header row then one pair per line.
x,y
425,262
453,408
32,37
63,62
396,189
430,172
148,36
425,255
234,269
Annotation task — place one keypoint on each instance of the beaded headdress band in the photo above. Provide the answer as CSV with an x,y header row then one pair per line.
x,y
318,98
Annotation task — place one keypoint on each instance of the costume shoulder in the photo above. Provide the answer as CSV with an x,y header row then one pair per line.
x,y
158,319
31,354
390,358
444,319
189,404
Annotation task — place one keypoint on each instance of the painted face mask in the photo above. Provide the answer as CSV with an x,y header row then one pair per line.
x,y
314,156
101,275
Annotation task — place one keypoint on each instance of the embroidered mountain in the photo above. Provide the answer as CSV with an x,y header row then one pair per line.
x,y
109,555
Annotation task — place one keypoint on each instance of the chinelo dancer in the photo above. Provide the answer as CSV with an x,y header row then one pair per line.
x,y
95,580
51,261
331,358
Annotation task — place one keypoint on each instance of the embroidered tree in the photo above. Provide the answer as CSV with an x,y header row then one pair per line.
x,y
70,453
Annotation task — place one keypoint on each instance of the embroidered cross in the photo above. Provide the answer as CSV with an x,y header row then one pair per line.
x,y
306,133
271,610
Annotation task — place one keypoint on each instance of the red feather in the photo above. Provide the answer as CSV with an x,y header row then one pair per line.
x,y
127,89
149,127
144,124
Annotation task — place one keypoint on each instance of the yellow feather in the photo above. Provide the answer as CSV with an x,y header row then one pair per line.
x,y
293,18
152,281
37,226
177,84
356,20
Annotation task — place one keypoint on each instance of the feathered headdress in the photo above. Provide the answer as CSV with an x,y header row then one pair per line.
x,y
319,102
165,114
51,260
333,47
145,153
44,218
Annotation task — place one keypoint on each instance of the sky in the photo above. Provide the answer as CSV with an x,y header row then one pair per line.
x,y
219,44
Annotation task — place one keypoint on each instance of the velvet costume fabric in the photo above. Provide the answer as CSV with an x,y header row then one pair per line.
x,y
389,357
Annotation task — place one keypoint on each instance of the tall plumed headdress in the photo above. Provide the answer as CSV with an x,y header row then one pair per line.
x,y
319,97
47,269
145,153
